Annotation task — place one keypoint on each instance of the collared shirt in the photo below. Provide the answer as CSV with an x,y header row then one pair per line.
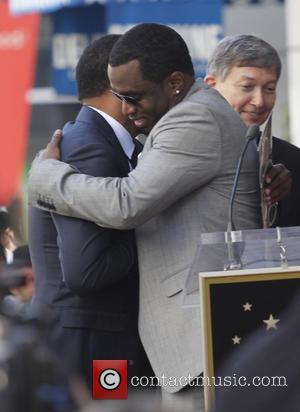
x,y
122,134
9,255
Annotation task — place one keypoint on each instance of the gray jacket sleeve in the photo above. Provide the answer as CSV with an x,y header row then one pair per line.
x,y
182,153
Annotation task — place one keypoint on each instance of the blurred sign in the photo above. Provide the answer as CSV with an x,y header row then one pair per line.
x,y
243,2
29,6
45,6
74,29
199,22
18,43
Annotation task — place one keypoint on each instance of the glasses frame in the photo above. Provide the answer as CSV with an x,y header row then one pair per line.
x,y
125,98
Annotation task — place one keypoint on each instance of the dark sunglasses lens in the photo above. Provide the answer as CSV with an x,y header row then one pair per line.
x,y
117,95
130,100
123,98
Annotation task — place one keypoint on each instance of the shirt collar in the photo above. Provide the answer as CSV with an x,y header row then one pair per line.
x,y
9,255
121,133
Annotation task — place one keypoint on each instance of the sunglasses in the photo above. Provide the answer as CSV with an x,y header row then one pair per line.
x,y
124,98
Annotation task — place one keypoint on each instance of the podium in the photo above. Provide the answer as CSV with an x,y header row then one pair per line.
x,y
242,281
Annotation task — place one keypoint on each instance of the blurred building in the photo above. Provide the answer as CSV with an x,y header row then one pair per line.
x,y
51,107
67,26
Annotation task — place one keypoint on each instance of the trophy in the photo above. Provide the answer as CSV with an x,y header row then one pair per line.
x,y
268,213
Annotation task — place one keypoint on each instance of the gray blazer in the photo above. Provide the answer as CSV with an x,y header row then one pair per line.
x,y
180,188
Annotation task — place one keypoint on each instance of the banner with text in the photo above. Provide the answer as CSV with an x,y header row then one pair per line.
x,y
199,22
74,29
18,45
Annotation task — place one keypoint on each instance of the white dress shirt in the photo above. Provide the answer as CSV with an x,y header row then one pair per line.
x,y
9,256
122,134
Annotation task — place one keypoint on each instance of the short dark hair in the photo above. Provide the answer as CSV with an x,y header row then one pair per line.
x,y
91,69
5,223
159,49
241,51
5,220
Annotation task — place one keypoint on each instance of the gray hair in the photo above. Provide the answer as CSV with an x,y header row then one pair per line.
x,y
241,51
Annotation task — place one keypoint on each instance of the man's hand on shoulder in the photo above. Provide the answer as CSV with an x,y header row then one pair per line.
x,y
278,184
52,150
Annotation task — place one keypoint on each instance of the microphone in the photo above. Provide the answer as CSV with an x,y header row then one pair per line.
x,y
233,247
251,134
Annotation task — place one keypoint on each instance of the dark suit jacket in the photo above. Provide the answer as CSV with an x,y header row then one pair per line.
x,y
289,208
96,293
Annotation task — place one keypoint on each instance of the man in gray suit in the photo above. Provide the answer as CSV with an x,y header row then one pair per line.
x,y
180,188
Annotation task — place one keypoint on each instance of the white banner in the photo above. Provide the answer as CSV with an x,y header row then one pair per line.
x,y
43,6
46,6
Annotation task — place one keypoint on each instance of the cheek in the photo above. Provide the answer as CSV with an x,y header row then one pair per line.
x,y
235,99
158,108
239,104
270,102
245,118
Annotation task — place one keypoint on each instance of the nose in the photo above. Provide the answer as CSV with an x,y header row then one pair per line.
x,y
258,99
128,108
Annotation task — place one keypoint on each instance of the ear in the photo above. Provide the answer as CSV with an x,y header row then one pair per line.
x,y
176,82
7,231
210,80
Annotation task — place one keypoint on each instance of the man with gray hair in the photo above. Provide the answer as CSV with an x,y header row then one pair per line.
x,y
245,70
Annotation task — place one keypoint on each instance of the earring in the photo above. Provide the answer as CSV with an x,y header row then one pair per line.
x,y
177,91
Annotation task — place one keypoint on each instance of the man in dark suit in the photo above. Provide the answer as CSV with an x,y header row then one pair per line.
x,y
245,70
86,274
289,207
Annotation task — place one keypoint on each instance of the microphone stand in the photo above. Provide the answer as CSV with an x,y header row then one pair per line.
x,y
233,238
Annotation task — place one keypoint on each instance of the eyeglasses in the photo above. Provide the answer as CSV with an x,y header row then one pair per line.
x,y
124,98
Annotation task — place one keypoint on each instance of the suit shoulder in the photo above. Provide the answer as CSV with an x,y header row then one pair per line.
x,y
286,153
77,132
81,136
85,147
285,144
212,101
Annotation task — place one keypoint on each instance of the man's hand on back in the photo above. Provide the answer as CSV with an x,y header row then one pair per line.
x,y
52,150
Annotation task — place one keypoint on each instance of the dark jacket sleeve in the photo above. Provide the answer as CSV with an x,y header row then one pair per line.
x,y
289,208
92,257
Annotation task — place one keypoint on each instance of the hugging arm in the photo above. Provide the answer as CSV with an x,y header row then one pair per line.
x,y
183,154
